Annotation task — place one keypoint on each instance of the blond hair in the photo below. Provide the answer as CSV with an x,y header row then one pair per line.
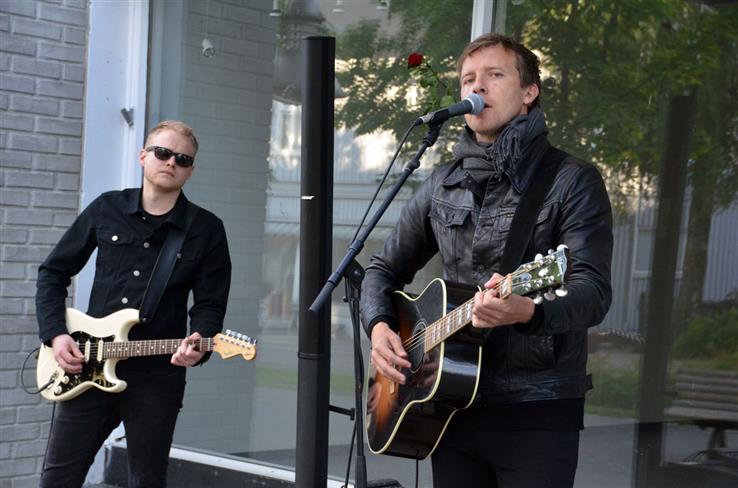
x,y
178,127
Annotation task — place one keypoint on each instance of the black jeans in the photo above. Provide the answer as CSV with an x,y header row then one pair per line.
x,y
515,459
148,408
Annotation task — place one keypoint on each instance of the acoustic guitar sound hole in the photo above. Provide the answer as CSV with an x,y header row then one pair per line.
x,y
415,350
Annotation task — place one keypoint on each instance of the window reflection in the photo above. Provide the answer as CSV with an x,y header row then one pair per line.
x,y
612,70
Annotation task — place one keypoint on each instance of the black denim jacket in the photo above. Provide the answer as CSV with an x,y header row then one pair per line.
x,y
128,245
544,359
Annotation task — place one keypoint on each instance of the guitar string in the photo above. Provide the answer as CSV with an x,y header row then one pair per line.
x,y
152,344
418,339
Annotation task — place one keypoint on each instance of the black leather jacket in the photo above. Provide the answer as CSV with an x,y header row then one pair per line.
x,y
546,358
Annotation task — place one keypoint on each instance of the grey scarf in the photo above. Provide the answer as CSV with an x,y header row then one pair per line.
x,y
504,155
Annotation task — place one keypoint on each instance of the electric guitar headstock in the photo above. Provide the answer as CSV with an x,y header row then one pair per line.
x,y
544,277
230,343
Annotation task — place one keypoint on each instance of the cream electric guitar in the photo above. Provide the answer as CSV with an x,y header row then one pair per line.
x,y
104,342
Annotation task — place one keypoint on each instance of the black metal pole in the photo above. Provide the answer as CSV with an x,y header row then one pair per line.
x,y
316,221
648,452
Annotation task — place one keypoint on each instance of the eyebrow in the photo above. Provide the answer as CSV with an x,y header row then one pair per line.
x,y
485,68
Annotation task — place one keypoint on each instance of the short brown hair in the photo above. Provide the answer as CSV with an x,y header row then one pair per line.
x,y
529,66
178,127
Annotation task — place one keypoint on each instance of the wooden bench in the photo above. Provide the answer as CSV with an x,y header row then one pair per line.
x,y
707,398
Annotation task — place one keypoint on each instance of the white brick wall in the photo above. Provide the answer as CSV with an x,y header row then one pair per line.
x,y
42,53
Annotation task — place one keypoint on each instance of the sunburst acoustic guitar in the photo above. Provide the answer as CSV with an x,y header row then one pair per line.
x,y
104,342
409,420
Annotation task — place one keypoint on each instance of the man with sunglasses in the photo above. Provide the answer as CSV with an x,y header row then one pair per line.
x,y
128,228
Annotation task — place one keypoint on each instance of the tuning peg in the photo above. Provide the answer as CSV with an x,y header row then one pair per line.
x,y
561,292
539,257
549,295
538,299
561,247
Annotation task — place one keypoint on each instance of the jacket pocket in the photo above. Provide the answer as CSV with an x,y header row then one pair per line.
x,y
448,226
112,245
505,219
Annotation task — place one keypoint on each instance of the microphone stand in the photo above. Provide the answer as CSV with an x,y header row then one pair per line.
x,y
354,273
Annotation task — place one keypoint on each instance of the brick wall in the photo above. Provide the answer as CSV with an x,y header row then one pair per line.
x,y
227,99
42,71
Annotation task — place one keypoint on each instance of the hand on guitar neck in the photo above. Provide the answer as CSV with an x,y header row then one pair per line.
x,y
187,354
492,311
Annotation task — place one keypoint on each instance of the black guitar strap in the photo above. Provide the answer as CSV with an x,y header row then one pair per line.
x,y
165,265
526,213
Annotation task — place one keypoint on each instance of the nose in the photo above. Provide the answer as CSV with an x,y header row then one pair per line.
x,y
478,88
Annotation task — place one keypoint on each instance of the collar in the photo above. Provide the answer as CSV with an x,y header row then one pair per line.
x,y
178,216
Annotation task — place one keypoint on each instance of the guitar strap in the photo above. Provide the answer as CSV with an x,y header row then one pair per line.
x,y
165,265
529,206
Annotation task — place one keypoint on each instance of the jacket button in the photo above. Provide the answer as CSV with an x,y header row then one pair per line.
x,y
136,273
114,238
146,245
124,300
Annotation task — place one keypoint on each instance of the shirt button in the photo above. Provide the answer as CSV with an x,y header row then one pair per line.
x,y
115,238
146,245
136,273
124,300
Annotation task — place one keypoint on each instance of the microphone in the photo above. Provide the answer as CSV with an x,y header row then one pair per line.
x,y
473,104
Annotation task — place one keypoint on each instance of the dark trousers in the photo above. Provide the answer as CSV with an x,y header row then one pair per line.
x,y
148,408
516,459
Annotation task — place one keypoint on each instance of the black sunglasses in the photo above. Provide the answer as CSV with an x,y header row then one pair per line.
x,y
163,154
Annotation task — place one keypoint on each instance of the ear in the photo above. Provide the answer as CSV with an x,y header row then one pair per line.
x,y
141,157
531,92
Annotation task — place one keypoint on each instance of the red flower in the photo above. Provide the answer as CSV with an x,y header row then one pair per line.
x,y
414,60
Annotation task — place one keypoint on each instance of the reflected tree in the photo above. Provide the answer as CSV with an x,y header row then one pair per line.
x,y
610,69
373,62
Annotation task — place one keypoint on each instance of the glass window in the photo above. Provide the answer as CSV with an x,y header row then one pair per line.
x,y
232,70
645,90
